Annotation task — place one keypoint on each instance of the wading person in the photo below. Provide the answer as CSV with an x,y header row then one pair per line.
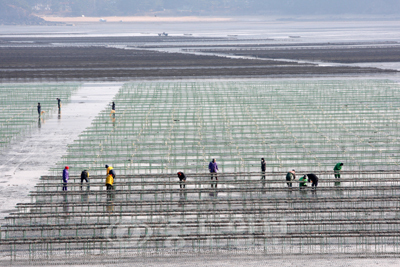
x,y
314,179
303,182
263,168
110,187
84,177
59,103
112,109
290,176
213,167
337,169
109,182
110,170
39,109
182,177
65,178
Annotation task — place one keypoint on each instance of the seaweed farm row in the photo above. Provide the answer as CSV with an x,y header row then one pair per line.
x,y
306,125
160,128
150,214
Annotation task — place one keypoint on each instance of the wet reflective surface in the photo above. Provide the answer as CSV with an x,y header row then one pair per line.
x,y
25,161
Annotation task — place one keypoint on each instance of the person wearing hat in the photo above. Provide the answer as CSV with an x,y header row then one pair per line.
x,y
290,176
182,177
110,170
65,178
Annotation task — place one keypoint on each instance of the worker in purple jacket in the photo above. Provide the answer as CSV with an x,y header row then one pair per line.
x,y
213,167
65,178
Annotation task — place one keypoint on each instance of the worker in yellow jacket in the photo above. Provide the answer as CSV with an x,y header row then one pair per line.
x,y
110,182
110,170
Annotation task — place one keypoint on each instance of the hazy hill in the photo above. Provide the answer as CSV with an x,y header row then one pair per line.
x,y
14,11
223,7
17,12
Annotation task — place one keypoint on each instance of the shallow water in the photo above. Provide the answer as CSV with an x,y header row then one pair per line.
x,y
238,28
32,156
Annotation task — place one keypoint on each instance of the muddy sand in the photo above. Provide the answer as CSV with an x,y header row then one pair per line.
x,y
59,63
352,54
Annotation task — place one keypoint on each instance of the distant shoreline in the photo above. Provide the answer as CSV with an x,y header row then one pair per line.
x,y
134,19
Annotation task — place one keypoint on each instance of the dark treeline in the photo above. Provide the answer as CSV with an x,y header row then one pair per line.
x,y
201,7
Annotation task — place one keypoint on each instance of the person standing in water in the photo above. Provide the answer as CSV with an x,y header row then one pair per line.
x,y
65,178
337,169
213,167
263,168
290,176
112,109
182,177
39,109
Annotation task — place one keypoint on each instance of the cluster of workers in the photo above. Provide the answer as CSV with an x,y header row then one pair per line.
x,y
110,178
311,177
213,168
290,176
